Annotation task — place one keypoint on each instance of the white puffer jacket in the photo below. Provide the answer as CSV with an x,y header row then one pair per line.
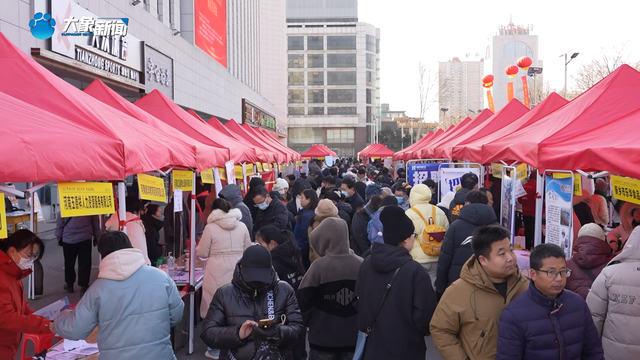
x,y
614,300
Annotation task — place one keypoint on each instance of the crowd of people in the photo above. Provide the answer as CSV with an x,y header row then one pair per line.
x,y
352,261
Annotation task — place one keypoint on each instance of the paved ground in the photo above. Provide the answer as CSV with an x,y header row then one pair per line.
x,y
54,281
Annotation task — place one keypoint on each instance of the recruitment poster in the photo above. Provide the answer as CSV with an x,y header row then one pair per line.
x,y
417,173
151,188
85,198
508,204
626,189
207,176
559,210
183,180
450,179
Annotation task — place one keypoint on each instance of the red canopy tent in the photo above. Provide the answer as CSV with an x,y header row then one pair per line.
x,y
158,105
474,150
207,156
317,151
264,136
43,147
273,154
613,97
363,150
144,148
377,151
505,116
407,153
427,152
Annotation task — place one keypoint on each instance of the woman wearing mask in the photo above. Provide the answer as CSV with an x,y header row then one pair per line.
x,y
153,223
309,202
360,225
224,240
18,253
285,254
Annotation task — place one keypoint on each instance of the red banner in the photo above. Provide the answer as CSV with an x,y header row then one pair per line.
x,y
525,90
509,92
490,101
269,178
210,18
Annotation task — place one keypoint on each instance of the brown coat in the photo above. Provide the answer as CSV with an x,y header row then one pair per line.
x,y
465,323
591,254
317,220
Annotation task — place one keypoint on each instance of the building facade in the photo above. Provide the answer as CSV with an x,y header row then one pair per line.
x,y
505,47
333,75
460,90
210,56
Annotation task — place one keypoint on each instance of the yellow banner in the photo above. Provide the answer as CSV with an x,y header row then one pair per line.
x,y
577,184
85,198
259,166
266,166
3,220
207,176
298,163
151,188
250,170
238,171
183,180
626,189
521,171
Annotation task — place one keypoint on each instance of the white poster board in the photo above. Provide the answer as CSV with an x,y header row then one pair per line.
x,y
508,200
177,200
559,210
450,178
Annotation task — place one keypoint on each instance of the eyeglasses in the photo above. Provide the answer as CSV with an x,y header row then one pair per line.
x,y
415,235
32,257
552,273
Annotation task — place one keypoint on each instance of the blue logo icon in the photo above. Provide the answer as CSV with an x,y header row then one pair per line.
x,y
42,26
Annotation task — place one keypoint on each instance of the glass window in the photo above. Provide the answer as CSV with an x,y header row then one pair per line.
x,y
296,97
340,135
516,49
371,61
341,95
296,61
351,110
341,60
370,78
305,136
341,78
371,43
315,61
315,78
316,96
316,110
341,42
296,110
369,115
315,43
296,42
369,96
296,78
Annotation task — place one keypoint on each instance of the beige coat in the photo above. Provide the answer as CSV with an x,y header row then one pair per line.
x,y
224,240
420,198
614,301
135,232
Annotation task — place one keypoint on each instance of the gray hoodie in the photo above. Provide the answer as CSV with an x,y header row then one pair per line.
x,y
232,194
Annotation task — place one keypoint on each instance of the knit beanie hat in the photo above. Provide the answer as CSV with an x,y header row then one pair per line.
x,y
326,209
282,183
396,225
591,229
373,189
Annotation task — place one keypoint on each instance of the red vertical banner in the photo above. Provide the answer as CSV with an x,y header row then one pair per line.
x,y
525,91
490,101
210,28
509,92
269,178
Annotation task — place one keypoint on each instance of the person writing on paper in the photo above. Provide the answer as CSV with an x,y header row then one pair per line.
x,y
18,253
133,305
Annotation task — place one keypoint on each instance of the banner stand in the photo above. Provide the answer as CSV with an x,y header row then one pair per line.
x,y
539,205
558,203
465,165
508,200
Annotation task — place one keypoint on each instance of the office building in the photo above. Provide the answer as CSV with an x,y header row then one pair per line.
x,y
460,90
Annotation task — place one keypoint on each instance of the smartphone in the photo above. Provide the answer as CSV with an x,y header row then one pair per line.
x,y
265,324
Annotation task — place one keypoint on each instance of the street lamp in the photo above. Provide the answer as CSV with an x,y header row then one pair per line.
x,y
444,114
533,71
566,62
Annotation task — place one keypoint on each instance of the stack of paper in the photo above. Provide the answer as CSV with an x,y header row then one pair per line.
x,y
72,350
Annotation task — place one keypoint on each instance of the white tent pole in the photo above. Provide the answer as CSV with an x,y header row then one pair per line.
x,y
192,255
539,204
31,294
122,205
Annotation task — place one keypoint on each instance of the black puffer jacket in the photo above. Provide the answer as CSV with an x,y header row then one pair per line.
x,y
248,198
288,264
345,212
275,214
235,303
360,231
232,194
456,246
456,204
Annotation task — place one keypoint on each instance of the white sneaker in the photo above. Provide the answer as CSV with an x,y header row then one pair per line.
x,y
212,354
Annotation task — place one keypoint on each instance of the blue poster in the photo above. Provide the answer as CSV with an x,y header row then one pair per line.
x,y
559,210
417,173
508,204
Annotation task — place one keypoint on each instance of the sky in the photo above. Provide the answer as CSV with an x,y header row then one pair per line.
x,y
428,31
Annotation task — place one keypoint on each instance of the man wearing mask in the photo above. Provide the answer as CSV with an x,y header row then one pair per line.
x,y
352,197
403,200
269,212
547,321
464,324
296,190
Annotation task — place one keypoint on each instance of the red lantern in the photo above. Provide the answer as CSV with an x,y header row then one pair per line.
x,y
511,71
487,79
524,63
487,85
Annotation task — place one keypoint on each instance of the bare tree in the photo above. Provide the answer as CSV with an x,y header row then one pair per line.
x,y
538,92
610,59
428,91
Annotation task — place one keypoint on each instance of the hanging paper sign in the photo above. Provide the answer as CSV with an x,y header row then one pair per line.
x,y
250,169
207,176
521,171
85,198
577,184
259,166
509,92
229,172
417,173
559,210
151,188
3,220
490,101
388,162
626,189
177,200
183,180
520,191
298,163
223,174
525,91
218,182
450,179
238,171
508,200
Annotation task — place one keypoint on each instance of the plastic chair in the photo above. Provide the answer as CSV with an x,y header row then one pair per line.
x,y
41,342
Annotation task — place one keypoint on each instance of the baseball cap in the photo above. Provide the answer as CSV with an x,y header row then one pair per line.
x,y
256,264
